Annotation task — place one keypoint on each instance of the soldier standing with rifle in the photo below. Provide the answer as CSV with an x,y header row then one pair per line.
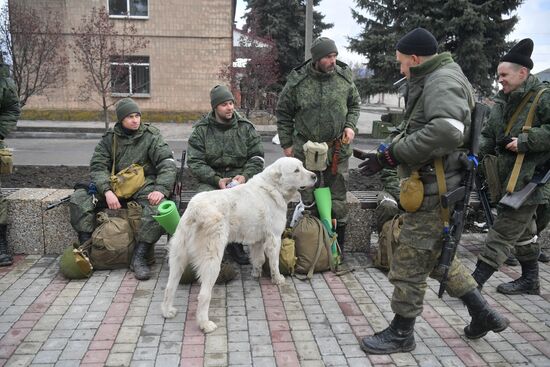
x,y
437,128
518,134
9,114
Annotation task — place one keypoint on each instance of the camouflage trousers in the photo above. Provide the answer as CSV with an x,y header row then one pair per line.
x,y
83,215
512,230
338,185
543,218
416,258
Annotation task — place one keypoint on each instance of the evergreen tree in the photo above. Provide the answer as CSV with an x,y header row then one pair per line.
x,y
283,22
474,31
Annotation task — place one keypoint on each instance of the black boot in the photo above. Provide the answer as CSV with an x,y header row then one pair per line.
x,y
341,232
5,257
139,261
396,338
511,261
544,257
83,237
528,283
484,318
237,253
482,272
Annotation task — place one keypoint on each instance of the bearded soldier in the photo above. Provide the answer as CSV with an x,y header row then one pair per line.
x,y
437,120
224,150
129,141
522,149
320,104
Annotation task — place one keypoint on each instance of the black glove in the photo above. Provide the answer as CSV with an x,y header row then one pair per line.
x,y
504,141
375,162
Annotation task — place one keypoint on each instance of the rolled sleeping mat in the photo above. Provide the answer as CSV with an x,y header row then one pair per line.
x,y
168,216
323,200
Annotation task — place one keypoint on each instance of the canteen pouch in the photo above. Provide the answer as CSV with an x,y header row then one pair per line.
x,y
128,181
316,156
6,161
411,194
287,255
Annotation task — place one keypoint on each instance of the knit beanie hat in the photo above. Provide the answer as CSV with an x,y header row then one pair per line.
x,y
521,53
418,42
124,107
219,94
321,47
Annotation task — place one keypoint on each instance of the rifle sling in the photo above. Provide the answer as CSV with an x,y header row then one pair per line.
x,y
530,117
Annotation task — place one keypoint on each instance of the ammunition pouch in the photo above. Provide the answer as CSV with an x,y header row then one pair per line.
x,y
128,181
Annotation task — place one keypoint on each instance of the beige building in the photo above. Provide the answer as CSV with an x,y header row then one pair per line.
x,y
189,42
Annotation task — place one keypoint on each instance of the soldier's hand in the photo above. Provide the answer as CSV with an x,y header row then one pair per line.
x,y
222,183
155,197
370,165
288,152
112,200
240,179
348,136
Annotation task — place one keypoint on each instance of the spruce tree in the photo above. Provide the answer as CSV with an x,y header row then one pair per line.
x,y
474,31
283,22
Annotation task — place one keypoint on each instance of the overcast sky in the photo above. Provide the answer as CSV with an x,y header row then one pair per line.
x,y
534,22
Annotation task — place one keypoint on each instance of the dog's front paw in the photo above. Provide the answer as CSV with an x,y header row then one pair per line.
x,y
278,279
169,311
208,326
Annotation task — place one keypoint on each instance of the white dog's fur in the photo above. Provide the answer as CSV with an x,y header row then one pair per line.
x,y
253,213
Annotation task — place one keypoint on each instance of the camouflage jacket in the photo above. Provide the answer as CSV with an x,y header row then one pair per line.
x,y
217,150
535,143
9,108
317,106
146,147
437,121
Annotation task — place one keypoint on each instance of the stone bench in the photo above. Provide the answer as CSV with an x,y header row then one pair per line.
x,y
33,230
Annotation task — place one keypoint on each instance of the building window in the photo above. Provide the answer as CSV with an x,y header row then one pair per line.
x,y
130,76
128,8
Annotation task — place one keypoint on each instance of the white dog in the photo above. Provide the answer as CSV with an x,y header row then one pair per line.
x,y
253,213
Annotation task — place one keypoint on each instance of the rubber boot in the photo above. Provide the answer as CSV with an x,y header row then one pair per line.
x,y
511,261
237,253
484,318
482,273
139,261
341,232
83,237
528,283
396,338
5,257
544,257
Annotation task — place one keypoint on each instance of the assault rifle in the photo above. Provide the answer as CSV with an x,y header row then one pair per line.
x,y
460,197
516,199
90,187
481,190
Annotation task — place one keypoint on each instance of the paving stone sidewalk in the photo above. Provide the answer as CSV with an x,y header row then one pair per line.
x,y
112,319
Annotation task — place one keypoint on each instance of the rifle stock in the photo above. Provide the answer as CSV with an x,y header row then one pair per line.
x,y
516,199
358,153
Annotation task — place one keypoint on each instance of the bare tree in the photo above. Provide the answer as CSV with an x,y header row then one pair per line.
x,y
101,49
255,74
34,45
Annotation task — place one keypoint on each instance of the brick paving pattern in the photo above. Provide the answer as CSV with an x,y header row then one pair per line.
x,y
111,319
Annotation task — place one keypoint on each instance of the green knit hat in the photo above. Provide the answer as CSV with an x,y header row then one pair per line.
x,y
321,47
124,107
219,94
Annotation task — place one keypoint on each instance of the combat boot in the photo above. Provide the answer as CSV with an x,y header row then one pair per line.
x,y
5,257
482,273
236,252
484,318
341,232
84,237
396,338
139,261
528,283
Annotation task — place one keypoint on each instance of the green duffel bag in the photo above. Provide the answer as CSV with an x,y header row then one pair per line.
x,y
112,243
